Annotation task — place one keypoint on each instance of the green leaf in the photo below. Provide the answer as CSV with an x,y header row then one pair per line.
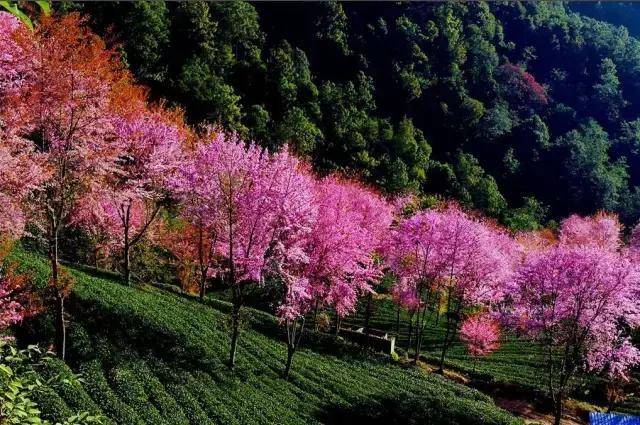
x,y
45,6
14,10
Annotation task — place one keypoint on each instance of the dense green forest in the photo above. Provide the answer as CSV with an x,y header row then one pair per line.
x,y
525,110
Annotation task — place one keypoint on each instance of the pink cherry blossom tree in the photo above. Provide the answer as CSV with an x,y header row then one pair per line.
x,y
413,253
259,205
343,243
59,88
570,299
130,196
337,255
200,199
481,334
447,253
602,230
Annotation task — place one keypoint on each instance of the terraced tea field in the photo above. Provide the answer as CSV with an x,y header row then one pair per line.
x,y
151,357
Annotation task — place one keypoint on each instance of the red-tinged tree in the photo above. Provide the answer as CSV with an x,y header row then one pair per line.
x,y
59,90
17,300
480,333
536,240
20,174
20,167
259,205
522,85
194,248
338,257
571,300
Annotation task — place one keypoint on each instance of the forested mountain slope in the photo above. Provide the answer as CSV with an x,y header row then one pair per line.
x,y
525,110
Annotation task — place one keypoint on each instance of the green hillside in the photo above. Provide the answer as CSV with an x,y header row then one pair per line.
x,y
148,356
516,364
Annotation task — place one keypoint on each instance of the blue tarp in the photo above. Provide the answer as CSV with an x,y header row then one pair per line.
x,y
596,418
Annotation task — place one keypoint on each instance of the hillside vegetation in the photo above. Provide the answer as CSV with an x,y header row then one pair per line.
x,y
147,356
526,110
247,179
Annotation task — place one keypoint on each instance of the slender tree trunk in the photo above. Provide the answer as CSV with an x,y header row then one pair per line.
x,y
445,346
367,317
416,349
558,408
410,333
294,335
420,322
447,336
287,368
203,284
398,321
203,270
131,240
61,331
126,266
235,329
337,330
315,315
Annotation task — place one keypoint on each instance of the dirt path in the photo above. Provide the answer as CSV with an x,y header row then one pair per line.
x,y
523,408
527,411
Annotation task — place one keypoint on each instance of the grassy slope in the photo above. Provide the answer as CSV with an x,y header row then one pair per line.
x,y
150,357
515,362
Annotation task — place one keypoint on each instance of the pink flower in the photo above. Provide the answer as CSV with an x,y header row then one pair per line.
x,y
480,333
575,296
601,230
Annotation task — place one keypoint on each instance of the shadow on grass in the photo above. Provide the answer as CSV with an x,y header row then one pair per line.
x,y
401,409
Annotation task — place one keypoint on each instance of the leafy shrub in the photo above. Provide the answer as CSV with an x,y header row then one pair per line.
x,y
23,391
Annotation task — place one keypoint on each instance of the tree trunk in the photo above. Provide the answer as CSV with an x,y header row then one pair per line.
x,y
337,324
235,325
416,348
410,333
445,346
295,329
398,322
126,267
203,283
419,328
367,317
290,351
61,332
557,409
452,326
420,321
61,329
315,316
